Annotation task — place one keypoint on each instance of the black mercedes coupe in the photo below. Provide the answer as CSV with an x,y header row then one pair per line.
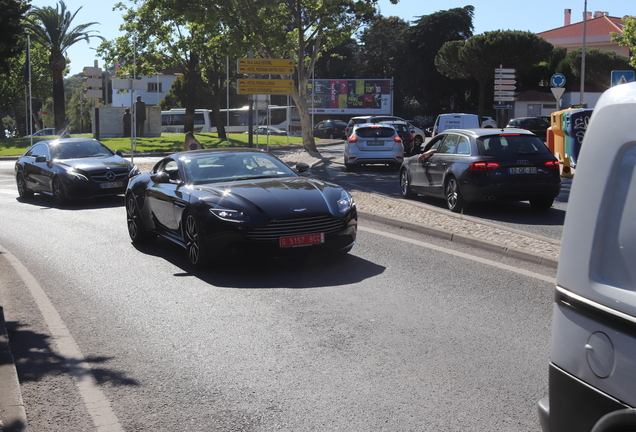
x,y
72,168
236,203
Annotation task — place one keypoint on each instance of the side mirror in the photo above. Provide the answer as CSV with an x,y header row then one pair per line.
x,y
301,167
39,159
119,153
160,177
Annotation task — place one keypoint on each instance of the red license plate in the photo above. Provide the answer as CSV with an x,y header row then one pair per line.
x,y
301,240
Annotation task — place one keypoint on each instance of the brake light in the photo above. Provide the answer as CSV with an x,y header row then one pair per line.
x,y
353,139
553,164
484,166
409,137
397,139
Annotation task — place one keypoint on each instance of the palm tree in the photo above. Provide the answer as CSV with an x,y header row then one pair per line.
x,y
52,28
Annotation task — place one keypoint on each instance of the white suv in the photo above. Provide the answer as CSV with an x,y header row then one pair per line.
x,y
592,374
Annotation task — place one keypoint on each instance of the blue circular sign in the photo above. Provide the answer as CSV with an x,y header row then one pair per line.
x,y
557,80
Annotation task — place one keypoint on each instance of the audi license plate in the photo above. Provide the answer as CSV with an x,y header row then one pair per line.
x,y
111,185
522,170
301,240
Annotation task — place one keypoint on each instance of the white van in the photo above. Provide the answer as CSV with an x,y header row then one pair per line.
x,y
455,121
592,373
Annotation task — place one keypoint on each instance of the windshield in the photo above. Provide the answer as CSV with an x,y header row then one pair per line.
x,y
210,168
78,149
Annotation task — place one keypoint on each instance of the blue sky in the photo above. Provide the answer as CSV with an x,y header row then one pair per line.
x,y
535,16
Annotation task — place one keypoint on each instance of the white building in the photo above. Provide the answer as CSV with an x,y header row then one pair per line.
x,y
152,90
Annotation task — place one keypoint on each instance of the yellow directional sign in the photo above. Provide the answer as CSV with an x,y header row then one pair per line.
x,y
265,62
265,86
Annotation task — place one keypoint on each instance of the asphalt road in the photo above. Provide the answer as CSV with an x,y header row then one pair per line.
x,y
405,333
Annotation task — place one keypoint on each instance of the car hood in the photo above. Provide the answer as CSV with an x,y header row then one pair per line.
x,y
96,163
277,197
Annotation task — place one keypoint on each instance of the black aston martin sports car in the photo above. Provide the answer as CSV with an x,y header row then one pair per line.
x,y
230,203
72,168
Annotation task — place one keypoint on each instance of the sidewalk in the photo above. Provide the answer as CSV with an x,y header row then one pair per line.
x,y
416,216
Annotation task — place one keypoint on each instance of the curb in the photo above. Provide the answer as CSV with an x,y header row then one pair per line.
x,y
12,412
461,239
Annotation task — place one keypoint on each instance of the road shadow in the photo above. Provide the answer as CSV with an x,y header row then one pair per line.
x,y
47,202
296,273
36,358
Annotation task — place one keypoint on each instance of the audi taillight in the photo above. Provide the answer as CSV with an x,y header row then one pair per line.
x,y
553,164
484,166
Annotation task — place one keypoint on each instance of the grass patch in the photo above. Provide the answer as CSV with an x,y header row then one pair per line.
x,y
168,142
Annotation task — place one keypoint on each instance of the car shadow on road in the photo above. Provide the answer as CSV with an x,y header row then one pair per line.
x,y
296,273
45,201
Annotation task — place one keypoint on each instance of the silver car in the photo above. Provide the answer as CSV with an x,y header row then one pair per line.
x,y
371,144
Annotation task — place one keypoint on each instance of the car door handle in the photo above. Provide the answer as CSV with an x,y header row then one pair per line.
x,y
179,205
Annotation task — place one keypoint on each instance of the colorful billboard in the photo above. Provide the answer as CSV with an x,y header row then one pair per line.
x,y
363,96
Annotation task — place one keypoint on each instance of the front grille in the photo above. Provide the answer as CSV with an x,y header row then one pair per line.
x,y
101,175
296,226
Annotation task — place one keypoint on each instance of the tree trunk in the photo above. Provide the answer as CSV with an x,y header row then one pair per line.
x,y
59,107
191,88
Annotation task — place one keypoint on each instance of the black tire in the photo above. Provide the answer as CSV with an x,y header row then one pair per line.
x,y
454,200
417,142
331,136
23,192
59,194
136,228
195,242
405,184
541,204
349,167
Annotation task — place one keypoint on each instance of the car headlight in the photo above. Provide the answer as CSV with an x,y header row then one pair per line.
x,y
134,171
76,175
230,215
345,202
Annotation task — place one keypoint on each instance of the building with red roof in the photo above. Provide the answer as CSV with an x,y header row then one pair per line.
x,y
598,29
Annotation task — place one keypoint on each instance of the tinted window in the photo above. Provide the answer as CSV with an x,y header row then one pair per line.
x,y
375,132
511,145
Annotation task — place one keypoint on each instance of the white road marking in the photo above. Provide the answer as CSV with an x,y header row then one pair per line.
x,y
462,255
97,405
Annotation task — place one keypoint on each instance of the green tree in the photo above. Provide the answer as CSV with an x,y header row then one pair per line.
x,y
11,31
297,29
599,65
429,89
478,57
51,27
628,37
187,36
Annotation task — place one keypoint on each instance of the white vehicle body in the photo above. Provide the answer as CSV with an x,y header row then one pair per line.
x,y
455,121
593,352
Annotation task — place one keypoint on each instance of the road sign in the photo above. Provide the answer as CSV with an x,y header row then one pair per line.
x,y
92,82
504,93
255,62
505,81
505,87
500,70
504,98
505,76
502,106
93,94
264,86
622,77
557,80
92,71
267,70
558,92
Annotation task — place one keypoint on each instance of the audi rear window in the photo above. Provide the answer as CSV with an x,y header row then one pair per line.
x,y
375,132
511,144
